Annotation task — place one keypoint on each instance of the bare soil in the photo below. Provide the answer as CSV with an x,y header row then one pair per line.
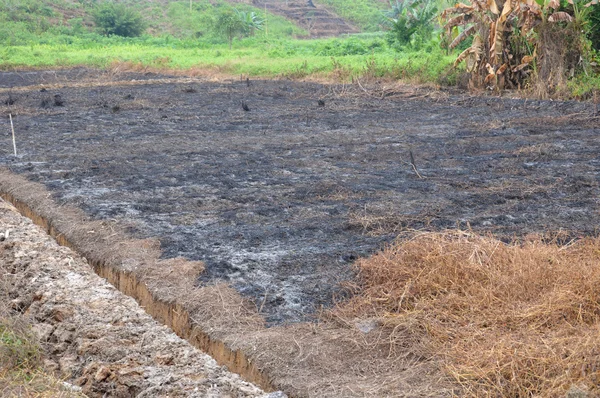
x,y
280,200
96,339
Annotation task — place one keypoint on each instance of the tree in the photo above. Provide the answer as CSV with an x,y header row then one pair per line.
x,y
117,19
410,20
230,25
515,39
251,21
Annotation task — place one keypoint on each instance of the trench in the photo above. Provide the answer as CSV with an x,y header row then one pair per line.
x,y
172,315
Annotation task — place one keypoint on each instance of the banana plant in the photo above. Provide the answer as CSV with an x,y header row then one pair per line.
x,y
409,18
504,46
251,21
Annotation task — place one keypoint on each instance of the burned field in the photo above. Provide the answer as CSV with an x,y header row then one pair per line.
x,y
278,198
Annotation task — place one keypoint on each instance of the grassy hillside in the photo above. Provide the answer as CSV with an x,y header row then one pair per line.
x,y
366,14
26,21
22,20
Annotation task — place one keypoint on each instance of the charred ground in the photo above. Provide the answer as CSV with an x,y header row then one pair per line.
x,y
279,200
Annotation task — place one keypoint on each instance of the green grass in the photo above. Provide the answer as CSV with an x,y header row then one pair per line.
x,y
18,349
254,56
21,370
36,33
198,23
41,21
366,14
585,87
59,33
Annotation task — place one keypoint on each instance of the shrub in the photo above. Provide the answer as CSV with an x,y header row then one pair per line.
x,y
521,44
229,24
117,19
410,22
251,22
594,27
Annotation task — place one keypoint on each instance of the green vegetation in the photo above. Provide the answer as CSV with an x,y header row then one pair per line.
x,y
405,40
255,56
232,22
18,349
543,45
117,19
251,22
410,22
593,27
213,35
229,24
23,22
21,371
366,14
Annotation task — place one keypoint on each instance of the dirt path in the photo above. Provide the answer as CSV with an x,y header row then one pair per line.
x,y
94,336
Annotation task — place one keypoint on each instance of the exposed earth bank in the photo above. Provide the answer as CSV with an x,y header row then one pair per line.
x,y
93,336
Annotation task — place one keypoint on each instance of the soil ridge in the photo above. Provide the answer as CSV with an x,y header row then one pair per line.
x,y
302,360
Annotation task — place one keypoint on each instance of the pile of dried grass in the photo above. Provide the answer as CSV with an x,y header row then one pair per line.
x,y
520,319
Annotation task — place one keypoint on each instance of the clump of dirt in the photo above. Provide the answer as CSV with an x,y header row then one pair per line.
x,y
93,336
518,319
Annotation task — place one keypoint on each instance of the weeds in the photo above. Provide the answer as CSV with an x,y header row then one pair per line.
x,y
18,348
21,358
368,14
519,319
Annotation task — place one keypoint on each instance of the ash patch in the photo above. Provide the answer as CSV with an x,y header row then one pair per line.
x,y
280,200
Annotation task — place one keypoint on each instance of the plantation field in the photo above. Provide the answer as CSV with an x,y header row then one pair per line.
x,y
306,192
280,200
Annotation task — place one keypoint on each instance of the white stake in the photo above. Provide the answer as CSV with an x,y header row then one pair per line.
x,y
13,133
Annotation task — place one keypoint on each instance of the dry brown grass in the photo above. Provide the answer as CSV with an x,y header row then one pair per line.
x,y
34,384
382,219
520,319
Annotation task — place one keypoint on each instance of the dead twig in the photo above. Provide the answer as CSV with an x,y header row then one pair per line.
x,y
264,300
412,162
365,90
12,127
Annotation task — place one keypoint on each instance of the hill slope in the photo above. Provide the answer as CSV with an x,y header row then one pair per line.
x,y
20,20
318,21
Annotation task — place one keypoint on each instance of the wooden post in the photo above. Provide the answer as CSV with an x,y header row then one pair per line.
x,y
13,134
